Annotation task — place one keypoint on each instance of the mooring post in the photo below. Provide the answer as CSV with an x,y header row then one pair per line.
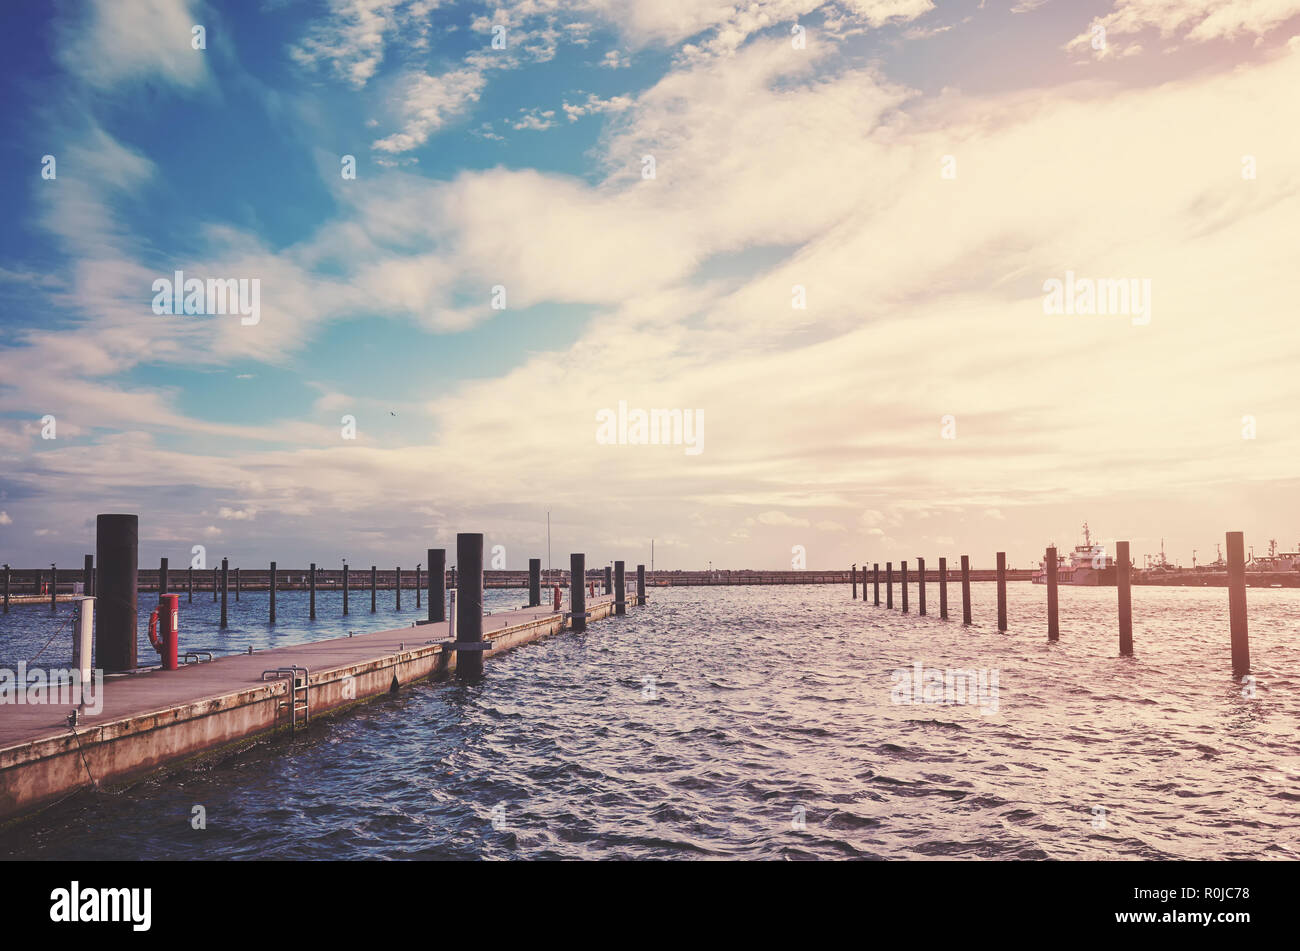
x,y
191,583
965,590
609,581
273,586
225,587
902,583
534,582
889,584
216,583
875,581
345,588
419,585
162,577
54,588
374,587
239,583
920,586
88,577
1054,631
578,592
1237,604
620,588
1124,584
943,589
312,596
437,584
640,585
469,604
7,589
1002,591
117,553
397,584
853,579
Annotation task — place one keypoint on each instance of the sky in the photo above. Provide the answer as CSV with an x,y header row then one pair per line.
x,y
828,235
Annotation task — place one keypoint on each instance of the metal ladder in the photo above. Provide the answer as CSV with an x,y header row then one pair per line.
x,y
294,701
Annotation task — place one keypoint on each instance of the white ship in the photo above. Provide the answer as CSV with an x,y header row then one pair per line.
x,y
1088,564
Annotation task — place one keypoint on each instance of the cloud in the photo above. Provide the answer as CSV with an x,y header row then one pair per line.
x,y
124,40
5,519
1194,21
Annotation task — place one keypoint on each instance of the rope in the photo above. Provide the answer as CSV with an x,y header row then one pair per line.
x,y
66,624
84,763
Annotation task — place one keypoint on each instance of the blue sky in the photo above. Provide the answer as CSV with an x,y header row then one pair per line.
x,y
778,164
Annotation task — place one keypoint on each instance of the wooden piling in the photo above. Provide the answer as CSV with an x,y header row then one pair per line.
x,y
117,585
469,604
640,585
1002,591
920,586
311,610
609,579
620,588
88,577
216,583
1053,630
889,584
374,588
345,588
54,588
1237,604
943,589
437,584
903,583
578,591
875,579
273,586
1123,583
7,589
418,586
191,583
225,586
534,582
239,584
965,590
853,579
397,584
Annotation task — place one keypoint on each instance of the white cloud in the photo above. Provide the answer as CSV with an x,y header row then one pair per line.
x,y
122,40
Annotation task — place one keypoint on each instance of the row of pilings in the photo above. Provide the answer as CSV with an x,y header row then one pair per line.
x,y
1236,549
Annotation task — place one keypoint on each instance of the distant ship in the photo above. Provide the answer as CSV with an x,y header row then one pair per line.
x,y
1089,565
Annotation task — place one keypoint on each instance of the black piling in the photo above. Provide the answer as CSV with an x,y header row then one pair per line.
x,y
273,586
943,589
1237,604
1053,629
1002,591
875,581
54,588
116,553
889,584
374,589
620,588
437,584
534,582
902,565
418,586
190,582
640,585
345,588
7,569
239,584
469,604
609,579
920,586
216,583
397,586
1124,582
225,588
853,579
965,590
311,598
578,591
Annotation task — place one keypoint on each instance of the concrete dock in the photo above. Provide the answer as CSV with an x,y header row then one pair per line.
x,y
157,718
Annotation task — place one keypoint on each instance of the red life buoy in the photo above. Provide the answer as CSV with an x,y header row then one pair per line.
x,y
153,631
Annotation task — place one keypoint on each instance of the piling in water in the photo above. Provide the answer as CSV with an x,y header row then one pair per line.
x,y
965,590
640,585
239,584
398,585
620,588
534,582
902,583
225,586
920,586
418,586
54,588
875,573
853,579
311,610
88,577
374,588
469,604
116,553
1123,582
437,584
1237,604
272,592
609,580
1053,630
578,591
889,584
943,589
191,583
345,588
1002,591
162,577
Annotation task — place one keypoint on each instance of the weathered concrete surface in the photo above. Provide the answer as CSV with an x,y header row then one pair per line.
x,y
154,718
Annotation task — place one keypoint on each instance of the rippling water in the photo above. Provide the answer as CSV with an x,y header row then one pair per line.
x,y
759,723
